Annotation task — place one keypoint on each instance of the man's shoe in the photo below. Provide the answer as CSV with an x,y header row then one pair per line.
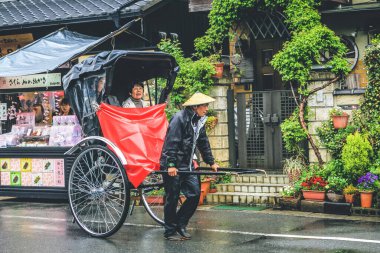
x,y
184,234
173,237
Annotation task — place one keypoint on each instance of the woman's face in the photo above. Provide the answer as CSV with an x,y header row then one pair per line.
x,y
137,91
65,108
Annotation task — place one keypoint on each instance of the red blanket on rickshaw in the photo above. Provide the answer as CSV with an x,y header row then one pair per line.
x,y
139,133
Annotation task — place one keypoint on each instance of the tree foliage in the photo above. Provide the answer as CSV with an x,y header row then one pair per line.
x,y
309,38
193,75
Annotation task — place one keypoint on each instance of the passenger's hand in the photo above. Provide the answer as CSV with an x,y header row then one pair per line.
x,y
215,167
172,171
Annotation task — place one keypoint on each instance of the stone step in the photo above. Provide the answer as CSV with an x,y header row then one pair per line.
x,y
260,178
250,187
240,198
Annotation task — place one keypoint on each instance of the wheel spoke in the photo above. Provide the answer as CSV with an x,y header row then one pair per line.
x,y
98,195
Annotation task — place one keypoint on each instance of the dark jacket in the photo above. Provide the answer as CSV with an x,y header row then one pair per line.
x,y
178,147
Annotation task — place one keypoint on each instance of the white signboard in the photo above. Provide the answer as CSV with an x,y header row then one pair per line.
x,y
31,81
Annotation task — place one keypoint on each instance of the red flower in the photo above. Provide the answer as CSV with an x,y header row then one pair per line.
x,y
314,183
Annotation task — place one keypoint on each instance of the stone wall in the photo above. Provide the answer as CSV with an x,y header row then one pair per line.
x,y
321,103
219,135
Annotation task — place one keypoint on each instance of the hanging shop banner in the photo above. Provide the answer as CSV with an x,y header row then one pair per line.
x,y
31,81
10,43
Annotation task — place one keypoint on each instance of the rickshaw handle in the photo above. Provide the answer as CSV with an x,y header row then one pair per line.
x,y
221,171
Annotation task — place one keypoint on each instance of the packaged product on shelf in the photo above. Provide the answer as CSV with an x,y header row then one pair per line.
x,y
65,135
25,118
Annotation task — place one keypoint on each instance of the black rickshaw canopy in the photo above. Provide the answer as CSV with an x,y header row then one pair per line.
x,y
111,74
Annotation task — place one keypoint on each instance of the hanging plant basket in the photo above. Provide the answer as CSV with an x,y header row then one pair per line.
x,y
340,121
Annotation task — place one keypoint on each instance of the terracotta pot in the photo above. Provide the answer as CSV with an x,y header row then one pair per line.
x,y
202,198
340,121
313,195
205,186
212,190
288,197
157,200
182,199
219,69
366,199
349,198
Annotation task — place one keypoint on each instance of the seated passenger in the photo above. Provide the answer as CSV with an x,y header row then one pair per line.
x,y
65,108
100,97
135,100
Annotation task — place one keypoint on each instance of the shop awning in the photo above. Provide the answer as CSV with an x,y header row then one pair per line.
x,y
50,52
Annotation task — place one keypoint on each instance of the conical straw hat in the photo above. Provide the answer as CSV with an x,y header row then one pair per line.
x,y
198,99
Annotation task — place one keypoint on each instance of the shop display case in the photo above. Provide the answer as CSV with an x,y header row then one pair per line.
x,y
33,163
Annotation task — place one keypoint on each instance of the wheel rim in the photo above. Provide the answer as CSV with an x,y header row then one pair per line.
x,y
152,195
97,191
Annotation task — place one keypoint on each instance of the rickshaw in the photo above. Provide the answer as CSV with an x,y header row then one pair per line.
x,y
104,186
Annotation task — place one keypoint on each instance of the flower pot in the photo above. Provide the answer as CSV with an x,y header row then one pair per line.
x,y
213,190
236,79
155,199
313,195
288,197
349,198
366,199
205,186
333,197
202,198
340,121
219,69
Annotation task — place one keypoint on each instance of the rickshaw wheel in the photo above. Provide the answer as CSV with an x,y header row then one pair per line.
x,y
99,192
153,197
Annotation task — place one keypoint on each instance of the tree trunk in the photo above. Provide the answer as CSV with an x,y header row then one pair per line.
x,y
304,127
302,119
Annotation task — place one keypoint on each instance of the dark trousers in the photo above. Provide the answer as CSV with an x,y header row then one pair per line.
x,y
189,186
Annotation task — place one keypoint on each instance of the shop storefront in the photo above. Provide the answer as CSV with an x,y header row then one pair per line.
x,y
36,129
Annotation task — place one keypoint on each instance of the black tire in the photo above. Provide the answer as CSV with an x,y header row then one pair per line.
x,y
152,202
99,193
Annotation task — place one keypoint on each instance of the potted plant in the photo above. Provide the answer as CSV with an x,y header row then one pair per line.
x,y
236,74
288,192
156,197
218,64
367,185
349,193
335,188
313,188
339,118
212,120
293,167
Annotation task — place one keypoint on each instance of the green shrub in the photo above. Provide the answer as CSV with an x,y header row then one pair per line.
x,y
333,168
336,184
293,134
334,139
356,155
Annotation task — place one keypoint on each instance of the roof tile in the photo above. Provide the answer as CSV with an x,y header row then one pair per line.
x,y
34,12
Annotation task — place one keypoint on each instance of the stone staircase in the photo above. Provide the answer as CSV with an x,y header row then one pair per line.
x,y
249,190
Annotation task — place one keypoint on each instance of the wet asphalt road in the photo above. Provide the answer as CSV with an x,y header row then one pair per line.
x,y
46,227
